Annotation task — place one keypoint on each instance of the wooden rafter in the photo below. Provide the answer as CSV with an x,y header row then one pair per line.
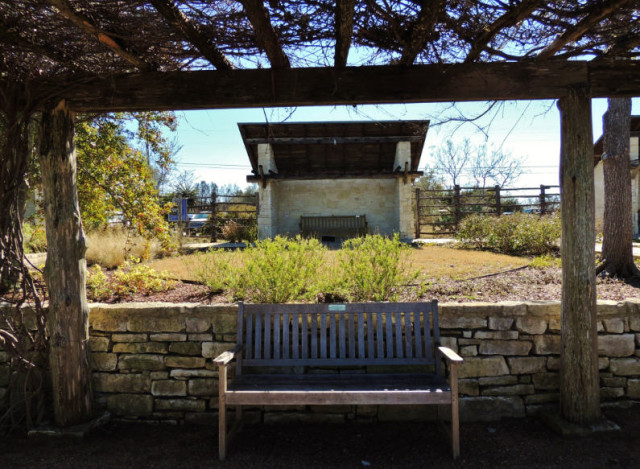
x,y
192,31
265,34
66,10
574,33
209,89
513,16
422,30
344,30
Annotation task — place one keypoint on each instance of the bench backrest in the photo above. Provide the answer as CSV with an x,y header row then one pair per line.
x,y
348,334
348,225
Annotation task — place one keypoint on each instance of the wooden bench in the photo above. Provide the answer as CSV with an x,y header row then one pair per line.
x,y
338,336
336,226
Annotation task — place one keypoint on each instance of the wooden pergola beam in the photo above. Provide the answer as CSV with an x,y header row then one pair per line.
x,y
265,34
67,11
422,30
514,15
344,31
192,32
333,140
599,13
211,89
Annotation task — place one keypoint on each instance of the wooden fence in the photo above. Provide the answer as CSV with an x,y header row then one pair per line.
x,y
439,212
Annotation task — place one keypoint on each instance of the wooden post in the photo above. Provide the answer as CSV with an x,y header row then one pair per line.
x,y
456,206
543,199
579,380
65,270
214,221
417,213
498,201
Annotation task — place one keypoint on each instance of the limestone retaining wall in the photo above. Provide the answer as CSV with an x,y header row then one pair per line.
x,y
154,361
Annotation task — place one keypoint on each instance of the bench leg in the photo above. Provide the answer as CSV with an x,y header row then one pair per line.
x,y
455,416
222,414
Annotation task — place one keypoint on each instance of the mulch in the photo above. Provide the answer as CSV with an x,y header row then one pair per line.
x,y
518,443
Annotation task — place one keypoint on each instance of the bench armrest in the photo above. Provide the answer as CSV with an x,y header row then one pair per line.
x,y
225,357
450,355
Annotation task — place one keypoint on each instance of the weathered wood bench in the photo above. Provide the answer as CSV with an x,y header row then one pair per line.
x,y
338,336
347,226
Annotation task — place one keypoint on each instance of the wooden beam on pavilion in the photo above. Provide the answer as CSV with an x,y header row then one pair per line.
x,y
422,30
575,32
344,31
514,15
333,140
210,89
310,175
110,41
192,32
265,34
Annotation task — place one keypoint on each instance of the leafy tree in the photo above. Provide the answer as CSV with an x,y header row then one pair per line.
x,y
617,247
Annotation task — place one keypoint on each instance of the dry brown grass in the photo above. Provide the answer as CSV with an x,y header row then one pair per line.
x,y
434,262
110,248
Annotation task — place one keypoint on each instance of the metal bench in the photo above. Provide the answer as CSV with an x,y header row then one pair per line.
x,y
337,336
348,226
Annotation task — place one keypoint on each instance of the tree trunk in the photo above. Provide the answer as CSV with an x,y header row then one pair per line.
x,y
65,270
617,248
579,380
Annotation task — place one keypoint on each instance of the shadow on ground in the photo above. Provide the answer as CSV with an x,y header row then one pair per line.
x,y
522,443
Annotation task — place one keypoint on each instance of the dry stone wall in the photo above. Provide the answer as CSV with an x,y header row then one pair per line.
x,y
154,361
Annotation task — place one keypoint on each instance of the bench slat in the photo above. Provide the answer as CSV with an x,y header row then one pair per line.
x,y
389,338
407,334
332,335
352,336
276,335
361,335
418,333
295,353
249,338
343,346
398,326
285,335
267,335
323,335
258,337
314,335
305,336
370,336
379,335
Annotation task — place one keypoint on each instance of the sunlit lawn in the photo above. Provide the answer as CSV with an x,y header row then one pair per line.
x,y
434,262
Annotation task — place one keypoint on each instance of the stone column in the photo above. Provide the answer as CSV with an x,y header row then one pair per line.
x,y
405,193
267,218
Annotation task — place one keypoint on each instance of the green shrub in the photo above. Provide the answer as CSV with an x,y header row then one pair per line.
x,y
236,232
34,237
374,268
545,261
521,234
130,278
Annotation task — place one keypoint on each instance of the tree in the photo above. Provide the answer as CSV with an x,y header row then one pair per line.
x,y
450,160
617,248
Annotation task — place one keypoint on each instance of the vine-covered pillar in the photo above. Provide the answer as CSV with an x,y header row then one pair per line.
x,y
579,380
65,269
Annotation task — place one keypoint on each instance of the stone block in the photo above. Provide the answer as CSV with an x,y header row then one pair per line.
x,y
468,387
613,382
498,380
633,389
141,362
500,324
474,367
451,321
531,325
107,320
203,387
213,349
103,361
185,362
159,375
186,374
168,337
182,405
638,340
542,398
96,344
225,323
555,325
169,387
211,418
634,323
625,366
467,334
613,325
524,379
407,413
197,324
130,405
616,345
140,347
486,409
504,347
603,363
209,337
128,338
469,350
546,381
515,390
185,348
547,344
121,383
599,327
496,335
527,365
155,324
450,342
611,393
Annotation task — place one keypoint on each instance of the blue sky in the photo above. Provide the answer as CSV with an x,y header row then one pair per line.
x,y
213,150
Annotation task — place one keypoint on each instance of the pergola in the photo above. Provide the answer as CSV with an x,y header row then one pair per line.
x,y
61,57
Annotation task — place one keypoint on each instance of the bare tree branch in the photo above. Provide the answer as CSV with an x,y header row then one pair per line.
x,y
422,30
265,34
344,30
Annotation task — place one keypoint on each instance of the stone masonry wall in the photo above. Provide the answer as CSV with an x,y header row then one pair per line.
x,y
154,361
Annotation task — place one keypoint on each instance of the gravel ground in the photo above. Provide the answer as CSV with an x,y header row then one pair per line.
x,y
521,443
